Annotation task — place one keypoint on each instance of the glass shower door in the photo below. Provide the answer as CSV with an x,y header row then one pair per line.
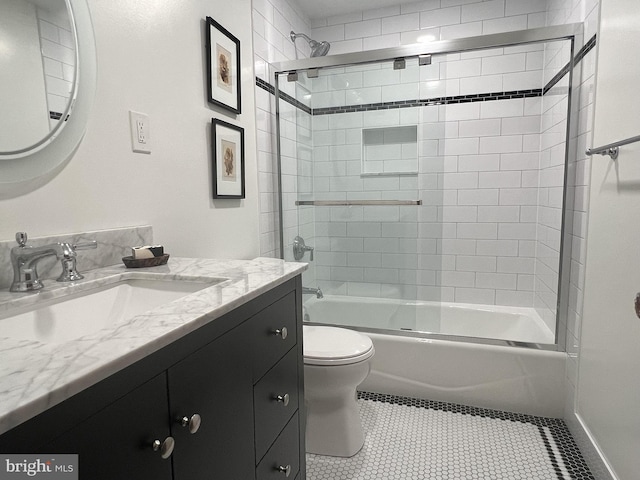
x,y
430,185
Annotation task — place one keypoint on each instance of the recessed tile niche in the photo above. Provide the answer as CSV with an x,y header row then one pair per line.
x,y
390,150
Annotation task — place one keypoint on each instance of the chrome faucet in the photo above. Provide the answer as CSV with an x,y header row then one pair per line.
x,y
24,260
315,291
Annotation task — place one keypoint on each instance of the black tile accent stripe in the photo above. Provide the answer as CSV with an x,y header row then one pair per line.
x,y
265,86
286,97
559,76
586,48
572,461
296,103
479,97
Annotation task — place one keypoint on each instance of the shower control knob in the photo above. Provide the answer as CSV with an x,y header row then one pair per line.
x,y
282,332
193,423
299,248
165,447
283,398
284,469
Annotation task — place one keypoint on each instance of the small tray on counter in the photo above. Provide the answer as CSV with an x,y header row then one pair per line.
x,y
131,262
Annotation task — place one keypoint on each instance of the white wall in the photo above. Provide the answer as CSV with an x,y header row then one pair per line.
x,y
608,390
151,59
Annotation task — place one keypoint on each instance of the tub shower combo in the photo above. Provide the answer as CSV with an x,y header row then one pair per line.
x,y
426,185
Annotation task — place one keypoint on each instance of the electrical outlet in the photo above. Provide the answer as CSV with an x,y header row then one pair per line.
x,y
140,138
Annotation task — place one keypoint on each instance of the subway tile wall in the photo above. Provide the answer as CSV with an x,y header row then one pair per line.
x,y
586,12
474,238
439,19
426,21
273,20
58,57
553,135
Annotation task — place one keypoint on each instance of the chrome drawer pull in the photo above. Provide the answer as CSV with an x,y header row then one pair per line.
x,y
282,332
282,398
165,448
286,470
193,423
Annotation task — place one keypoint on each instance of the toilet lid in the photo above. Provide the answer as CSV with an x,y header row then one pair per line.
x,y
334,346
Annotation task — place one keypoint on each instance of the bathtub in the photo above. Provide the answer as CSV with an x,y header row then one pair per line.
x,y
458,368
515,324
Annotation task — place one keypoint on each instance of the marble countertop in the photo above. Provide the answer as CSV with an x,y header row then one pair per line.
x,y
35,376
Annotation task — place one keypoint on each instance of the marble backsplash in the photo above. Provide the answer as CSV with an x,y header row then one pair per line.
x,y
113,244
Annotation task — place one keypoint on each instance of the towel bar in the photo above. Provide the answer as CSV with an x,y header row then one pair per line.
x,y
612,149
350,203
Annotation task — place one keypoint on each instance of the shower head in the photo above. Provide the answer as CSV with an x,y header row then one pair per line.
x,y
318,49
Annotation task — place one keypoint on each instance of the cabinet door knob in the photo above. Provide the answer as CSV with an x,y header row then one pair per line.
x,y
286,470
193,423
165,448
283,398
282,332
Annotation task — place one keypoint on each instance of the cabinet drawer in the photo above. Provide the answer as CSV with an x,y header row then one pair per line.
x,y
284,453
270,342
271,414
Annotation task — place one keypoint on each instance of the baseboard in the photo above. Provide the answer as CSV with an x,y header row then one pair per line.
x,y
590,451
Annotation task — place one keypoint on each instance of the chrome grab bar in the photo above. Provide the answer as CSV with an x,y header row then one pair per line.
x,y
350,203
612,149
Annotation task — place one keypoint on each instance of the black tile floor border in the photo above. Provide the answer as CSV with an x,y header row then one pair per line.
x,y
562,449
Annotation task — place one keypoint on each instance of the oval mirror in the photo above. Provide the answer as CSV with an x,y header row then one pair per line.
x,y
47,74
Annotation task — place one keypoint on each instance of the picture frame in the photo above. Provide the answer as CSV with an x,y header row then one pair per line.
x,y
223,67
228,159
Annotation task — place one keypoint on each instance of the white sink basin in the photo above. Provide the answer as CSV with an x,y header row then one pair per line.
x,y
75,315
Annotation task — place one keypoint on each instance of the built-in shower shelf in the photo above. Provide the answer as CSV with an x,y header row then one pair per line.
x,y
390,151
350,203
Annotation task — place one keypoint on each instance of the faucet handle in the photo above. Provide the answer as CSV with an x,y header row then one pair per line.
x,y
21,238
299,247
69,260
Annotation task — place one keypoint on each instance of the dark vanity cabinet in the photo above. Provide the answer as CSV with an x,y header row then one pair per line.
x,y
116,442
222,402
214,383
277,391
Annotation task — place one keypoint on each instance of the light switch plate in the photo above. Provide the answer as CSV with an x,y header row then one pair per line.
x,y
140,132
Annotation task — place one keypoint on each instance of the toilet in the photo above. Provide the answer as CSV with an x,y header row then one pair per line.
x,y
336,361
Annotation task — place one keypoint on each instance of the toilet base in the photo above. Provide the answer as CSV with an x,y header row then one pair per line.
x,y
334,427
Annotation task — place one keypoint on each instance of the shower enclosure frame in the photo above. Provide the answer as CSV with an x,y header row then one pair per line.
x,y
570,32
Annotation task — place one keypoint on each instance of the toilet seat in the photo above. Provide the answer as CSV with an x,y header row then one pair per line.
x,y
335,346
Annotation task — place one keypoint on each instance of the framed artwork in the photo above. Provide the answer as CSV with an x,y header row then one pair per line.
x,y
223,72
228,159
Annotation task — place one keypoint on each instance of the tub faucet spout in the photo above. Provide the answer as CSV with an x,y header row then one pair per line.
x,y
314,291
